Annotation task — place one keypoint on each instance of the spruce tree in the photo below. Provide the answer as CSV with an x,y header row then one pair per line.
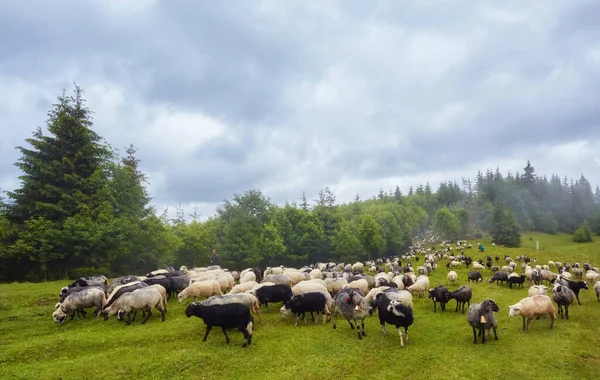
x,y
505,229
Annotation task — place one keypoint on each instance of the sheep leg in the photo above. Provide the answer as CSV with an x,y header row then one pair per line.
x,y
358,328
297,317
524,326
474,336
324,318
495,335
577,296
351,325
147,316
316,321
225,333
406,333
528,322
383,328
482,332
208,327
246,336
567,312
400,334
335,319
162,311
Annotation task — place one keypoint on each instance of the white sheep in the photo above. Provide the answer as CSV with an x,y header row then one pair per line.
x,y
537,289
248,277
421,286
307,286
591,276
144,299
91,297
242,288
315,274
478,266
531,307
597,290
335,284
455,264
452,277
361,284
163,294
295,276
278,279
198,289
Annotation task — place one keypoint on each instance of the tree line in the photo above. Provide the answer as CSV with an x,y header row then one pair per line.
x,y
82,209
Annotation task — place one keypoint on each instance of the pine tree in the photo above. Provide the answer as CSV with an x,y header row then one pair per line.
x,y
583,234
505,229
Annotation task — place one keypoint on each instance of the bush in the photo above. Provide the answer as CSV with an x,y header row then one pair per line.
x,y
583,234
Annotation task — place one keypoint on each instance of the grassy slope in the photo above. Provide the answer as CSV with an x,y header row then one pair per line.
x,y
32,346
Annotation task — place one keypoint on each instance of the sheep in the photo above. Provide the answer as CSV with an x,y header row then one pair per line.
x,y
452,277
91,297
575,286
499,277
163,294
536,276
548,275
562,296
335,284
145,299
227,317
278,279
534,306
242,288
121,281
353,306
361,284
307,286
477,266
474,276
394,313
122,289
89,281
481,317
245,299
592,276
519,280
248,277
462,295
204,288
597,290
439,294
307,302
537,289
420,286
274,293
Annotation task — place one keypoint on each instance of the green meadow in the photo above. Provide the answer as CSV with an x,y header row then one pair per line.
x,y
440,345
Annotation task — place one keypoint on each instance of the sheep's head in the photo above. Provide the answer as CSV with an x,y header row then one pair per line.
x,y
490,305
59,316
514,310
395,308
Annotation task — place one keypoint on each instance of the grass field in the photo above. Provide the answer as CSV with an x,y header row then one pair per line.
x,y
32,346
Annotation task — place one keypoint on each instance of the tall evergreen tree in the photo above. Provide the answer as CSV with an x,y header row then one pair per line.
x,y
505,229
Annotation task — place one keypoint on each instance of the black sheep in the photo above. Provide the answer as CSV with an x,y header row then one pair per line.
x,y
306,302
439,294
273,293
163,281
575,286
519,280
499,277
394,313
227,317
462,295
474,276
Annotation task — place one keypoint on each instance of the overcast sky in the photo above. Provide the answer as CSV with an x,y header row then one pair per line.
x,y
285,97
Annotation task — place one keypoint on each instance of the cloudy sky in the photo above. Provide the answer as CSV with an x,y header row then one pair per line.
x,y
292,96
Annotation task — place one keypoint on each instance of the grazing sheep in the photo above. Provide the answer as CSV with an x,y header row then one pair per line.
x,y
242,288
421,286
245,299
227,317
531,307
122,289
361,284
481,317
452,277
335,284
394,313
474,276
477,266
597,290
248,277
536,276
501,276
144,299
462,295
281,279
91,297
591,276
121,281
307,286
353,306
439,294
274,293
198,289
562,296
548,276
307,302
519,280
537,289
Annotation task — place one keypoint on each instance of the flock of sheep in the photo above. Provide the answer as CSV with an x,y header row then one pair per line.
x,y
352,291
